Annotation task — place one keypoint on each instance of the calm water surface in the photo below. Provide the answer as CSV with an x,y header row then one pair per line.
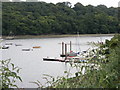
x,y
31,62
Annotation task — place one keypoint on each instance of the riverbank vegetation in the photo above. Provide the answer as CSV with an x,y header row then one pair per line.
x,y
105,73
41,18
8,74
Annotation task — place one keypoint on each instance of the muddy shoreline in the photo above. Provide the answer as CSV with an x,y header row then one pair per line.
x,y
57,36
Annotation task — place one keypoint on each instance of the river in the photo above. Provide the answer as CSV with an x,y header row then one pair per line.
x,y
31,62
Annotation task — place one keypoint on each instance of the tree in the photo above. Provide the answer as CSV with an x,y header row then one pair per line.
x,y
27,18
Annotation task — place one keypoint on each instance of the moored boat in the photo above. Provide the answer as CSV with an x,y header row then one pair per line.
x,y
77,59
26,49
36,47
8,43
5,47
18,44
9,38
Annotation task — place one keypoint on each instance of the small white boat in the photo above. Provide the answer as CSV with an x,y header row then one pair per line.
x,y
5,47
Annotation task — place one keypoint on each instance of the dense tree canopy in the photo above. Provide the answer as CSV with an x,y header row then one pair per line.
x,y
28,18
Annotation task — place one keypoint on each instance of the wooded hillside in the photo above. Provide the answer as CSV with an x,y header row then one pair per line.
x,y
28,18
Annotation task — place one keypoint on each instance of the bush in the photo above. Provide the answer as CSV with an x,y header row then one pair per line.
x,y
8,74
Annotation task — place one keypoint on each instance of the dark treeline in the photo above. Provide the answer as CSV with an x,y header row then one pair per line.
x,y
25,18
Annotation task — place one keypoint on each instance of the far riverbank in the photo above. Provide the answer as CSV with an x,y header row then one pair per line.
x,y
58,36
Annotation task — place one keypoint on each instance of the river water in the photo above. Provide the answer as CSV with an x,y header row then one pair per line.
x,y
31,62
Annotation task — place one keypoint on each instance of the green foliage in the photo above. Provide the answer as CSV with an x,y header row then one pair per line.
x,y
8,74
27,18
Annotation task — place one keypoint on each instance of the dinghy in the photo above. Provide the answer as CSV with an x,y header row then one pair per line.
x,y
36,47
5,47
26,49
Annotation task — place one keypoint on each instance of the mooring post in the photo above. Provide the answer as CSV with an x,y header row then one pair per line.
x,y
65,49
62,48
70,46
